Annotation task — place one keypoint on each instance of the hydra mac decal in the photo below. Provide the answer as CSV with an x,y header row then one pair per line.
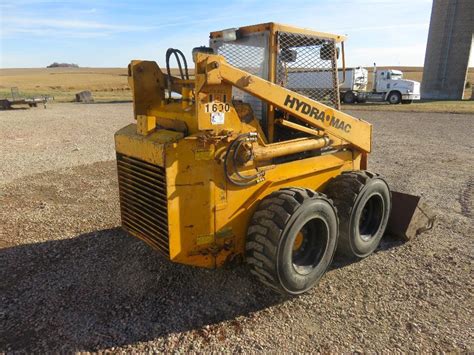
x,y
311,111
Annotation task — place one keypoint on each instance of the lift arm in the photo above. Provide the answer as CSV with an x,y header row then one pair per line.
x,y
334,122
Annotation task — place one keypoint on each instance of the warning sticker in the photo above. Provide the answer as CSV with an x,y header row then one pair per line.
x,y
217,118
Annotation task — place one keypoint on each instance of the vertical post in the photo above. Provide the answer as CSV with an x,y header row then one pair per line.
x,y
335,75
272,78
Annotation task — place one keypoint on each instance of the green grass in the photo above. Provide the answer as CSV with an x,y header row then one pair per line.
x,y
464,106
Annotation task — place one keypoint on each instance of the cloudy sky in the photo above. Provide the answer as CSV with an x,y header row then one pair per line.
x,y
107,33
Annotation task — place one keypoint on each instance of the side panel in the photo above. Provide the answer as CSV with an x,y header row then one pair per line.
x,y
235,212
207,218
189,171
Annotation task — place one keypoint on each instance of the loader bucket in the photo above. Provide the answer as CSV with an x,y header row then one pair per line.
x,y
409,216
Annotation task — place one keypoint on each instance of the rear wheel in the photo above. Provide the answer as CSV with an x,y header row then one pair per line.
x,y
349,97
363,201
291,239
5,104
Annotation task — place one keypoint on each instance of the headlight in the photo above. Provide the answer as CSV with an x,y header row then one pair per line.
x,y
229,35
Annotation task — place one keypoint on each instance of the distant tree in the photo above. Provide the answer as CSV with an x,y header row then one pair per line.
x,y
63,65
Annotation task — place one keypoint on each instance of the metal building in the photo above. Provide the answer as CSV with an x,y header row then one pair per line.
x,y
447,52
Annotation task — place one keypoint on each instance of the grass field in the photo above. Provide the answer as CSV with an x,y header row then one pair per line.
x,y
464,106
106,84
110,84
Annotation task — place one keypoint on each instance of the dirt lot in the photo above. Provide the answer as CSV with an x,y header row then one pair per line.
x,y
70,279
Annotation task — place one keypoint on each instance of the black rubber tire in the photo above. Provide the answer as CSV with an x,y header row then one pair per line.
x,y
349,97
406,102
394,98
355,194
5,104
272,232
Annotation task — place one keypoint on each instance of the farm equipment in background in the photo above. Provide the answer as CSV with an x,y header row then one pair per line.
x,y
241,168
17,99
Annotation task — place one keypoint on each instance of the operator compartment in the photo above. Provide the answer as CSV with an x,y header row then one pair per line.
x,y
259,112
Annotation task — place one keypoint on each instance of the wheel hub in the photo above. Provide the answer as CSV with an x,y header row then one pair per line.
x,y
371,217
309,246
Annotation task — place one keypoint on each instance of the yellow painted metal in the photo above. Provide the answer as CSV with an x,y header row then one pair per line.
x,y
339,124
273,53
298,241
280,149
146,81
186,94
275,27
207,216
145,124
298,127
150,148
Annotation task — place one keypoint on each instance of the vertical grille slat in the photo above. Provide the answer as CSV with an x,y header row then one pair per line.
x,y
143,201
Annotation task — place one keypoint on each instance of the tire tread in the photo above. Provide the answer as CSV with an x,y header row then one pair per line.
x,y
344,190
266,228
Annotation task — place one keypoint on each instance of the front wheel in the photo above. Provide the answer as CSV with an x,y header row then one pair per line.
x,y
406,102
363,201
291,239
394,98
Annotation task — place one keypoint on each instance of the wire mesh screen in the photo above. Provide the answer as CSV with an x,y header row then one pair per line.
x,y
307,65
249,53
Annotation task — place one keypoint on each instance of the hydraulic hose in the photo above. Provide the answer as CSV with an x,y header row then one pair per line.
x,y
245,180
184,75
234,160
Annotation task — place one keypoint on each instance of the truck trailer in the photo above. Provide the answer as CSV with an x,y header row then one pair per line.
x,y
388,85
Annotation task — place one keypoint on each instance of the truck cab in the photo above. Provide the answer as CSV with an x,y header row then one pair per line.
x,y
396,90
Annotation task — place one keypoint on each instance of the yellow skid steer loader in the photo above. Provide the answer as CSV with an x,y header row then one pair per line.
x,y
250,158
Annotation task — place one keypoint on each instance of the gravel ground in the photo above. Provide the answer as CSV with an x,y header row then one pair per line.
x,y
70,279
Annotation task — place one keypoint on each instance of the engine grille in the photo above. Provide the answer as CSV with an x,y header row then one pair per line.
x,y
143,201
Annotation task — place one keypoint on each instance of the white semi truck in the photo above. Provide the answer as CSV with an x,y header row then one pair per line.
x,y
388,85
